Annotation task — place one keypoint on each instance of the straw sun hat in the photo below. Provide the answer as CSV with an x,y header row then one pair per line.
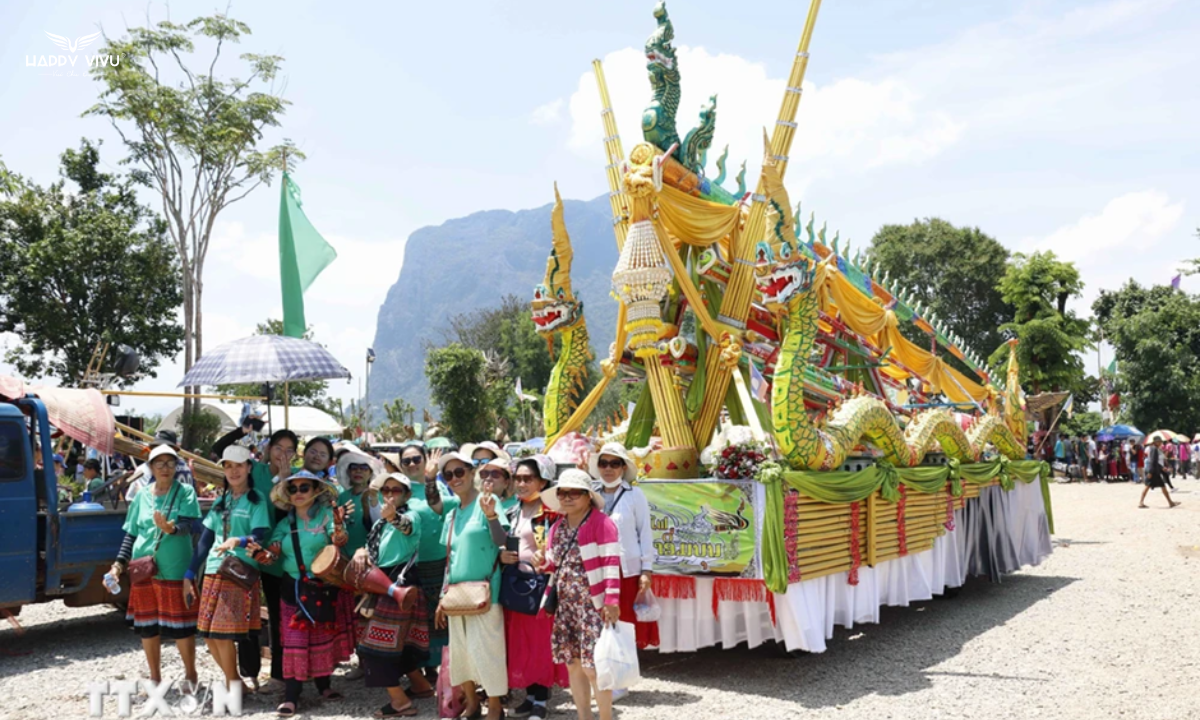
x,y
615,450
283,501
572,479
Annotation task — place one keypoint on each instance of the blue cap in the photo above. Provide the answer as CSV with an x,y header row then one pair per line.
x,y
58,458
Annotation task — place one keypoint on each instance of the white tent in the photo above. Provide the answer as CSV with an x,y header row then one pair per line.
x,y
304,421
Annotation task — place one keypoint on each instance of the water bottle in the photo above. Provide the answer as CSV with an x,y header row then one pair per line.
x,y
111,582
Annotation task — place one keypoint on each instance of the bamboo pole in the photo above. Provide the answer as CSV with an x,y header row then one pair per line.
x,y
134,432
143,393
735,306
615,155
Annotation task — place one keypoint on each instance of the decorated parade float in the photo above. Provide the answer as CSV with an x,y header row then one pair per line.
x,y
806,462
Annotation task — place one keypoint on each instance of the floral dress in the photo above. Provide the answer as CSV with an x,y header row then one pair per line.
x,y
577,623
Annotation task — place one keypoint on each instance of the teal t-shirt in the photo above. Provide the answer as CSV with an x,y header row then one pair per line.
x,y
507,504
244,518
264,481
432,544
472,552
395,548
356,527
95,485
175,551
315,534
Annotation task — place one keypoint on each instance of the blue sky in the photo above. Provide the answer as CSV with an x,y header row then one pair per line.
x,y
1062,125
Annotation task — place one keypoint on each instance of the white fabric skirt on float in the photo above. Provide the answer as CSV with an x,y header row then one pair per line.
x,y
996,533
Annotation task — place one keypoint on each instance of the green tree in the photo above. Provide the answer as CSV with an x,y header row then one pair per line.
x,y
456,381
951,270
300,393
508,332
1038,287
193,136
81,263
1155,334
1081,423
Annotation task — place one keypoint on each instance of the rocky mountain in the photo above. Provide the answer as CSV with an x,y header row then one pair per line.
x,y
473,262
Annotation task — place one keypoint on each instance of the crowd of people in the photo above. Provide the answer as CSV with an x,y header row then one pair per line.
x,y
1127,460
447,528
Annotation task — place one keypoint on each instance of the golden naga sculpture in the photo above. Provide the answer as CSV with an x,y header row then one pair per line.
x,y
718,286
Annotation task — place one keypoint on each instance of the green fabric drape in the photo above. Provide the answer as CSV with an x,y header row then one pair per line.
x,y
847,487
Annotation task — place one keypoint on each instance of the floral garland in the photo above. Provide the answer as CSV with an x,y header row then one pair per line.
x,y
740,461
901,530
791,530
855,549
949,524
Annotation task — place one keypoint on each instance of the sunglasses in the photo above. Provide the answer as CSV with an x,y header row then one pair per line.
x,y
525,478
162,464
481,461
356,466
394,490
606,464
456,472
571,494
297,489
412,461
493,474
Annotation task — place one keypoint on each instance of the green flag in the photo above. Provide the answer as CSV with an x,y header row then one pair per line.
x,y
303,254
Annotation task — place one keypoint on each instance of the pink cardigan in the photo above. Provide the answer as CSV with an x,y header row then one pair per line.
x,y
600,548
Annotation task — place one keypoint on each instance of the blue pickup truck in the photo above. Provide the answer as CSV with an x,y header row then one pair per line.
x,y
47,552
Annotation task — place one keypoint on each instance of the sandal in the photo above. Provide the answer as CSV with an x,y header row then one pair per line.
x,y
331,694
287,709
387,711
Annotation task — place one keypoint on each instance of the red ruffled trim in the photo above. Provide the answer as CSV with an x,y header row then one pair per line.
x,y
741,590
901,531
673,587
855,550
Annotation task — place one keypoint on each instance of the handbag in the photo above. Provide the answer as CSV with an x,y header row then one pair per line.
x,y
522,590
233,568
550,601
145,568
316,600
464,598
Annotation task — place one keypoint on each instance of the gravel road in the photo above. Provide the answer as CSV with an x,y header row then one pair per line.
x,y
1106,627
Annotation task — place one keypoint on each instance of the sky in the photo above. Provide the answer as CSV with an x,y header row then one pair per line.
x,y
1068,126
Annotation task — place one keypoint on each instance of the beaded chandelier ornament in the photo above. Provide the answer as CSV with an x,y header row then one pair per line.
x,y
641,277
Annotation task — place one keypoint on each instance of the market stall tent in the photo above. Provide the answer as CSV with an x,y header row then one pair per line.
x,y
304,421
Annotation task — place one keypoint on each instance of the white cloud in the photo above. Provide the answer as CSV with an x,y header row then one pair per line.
x,y
1133,222
547,114
850,122
1136,236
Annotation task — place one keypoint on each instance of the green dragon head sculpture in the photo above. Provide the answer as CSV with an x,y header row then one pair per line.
x,y
554,305
782,269
658,120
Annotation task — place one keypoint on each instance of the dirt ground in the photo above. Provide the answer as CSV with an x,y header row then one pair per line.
x,y
1106,627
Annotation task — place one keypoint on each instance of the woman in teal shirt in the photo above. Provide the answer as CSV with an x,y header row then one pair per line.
x,y
315,637
159,523
475,530
431,557
355,470
394,642
238,522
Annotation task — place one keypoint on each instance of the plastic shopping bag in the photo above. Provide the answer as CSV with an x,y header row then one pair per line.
x,y
616,657
452,699
646,607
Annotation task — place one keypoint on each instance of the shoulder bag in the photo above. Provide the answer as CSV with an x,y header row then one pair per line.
x,y
464,598
550,601
145,568
316,600
233,568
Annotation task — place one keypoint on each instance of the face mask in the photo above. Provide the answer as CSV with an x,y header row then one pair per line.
x,y
612,485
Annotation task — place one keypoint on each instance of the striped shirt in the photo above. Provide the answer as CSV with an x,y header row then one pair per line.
x,y
600,548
